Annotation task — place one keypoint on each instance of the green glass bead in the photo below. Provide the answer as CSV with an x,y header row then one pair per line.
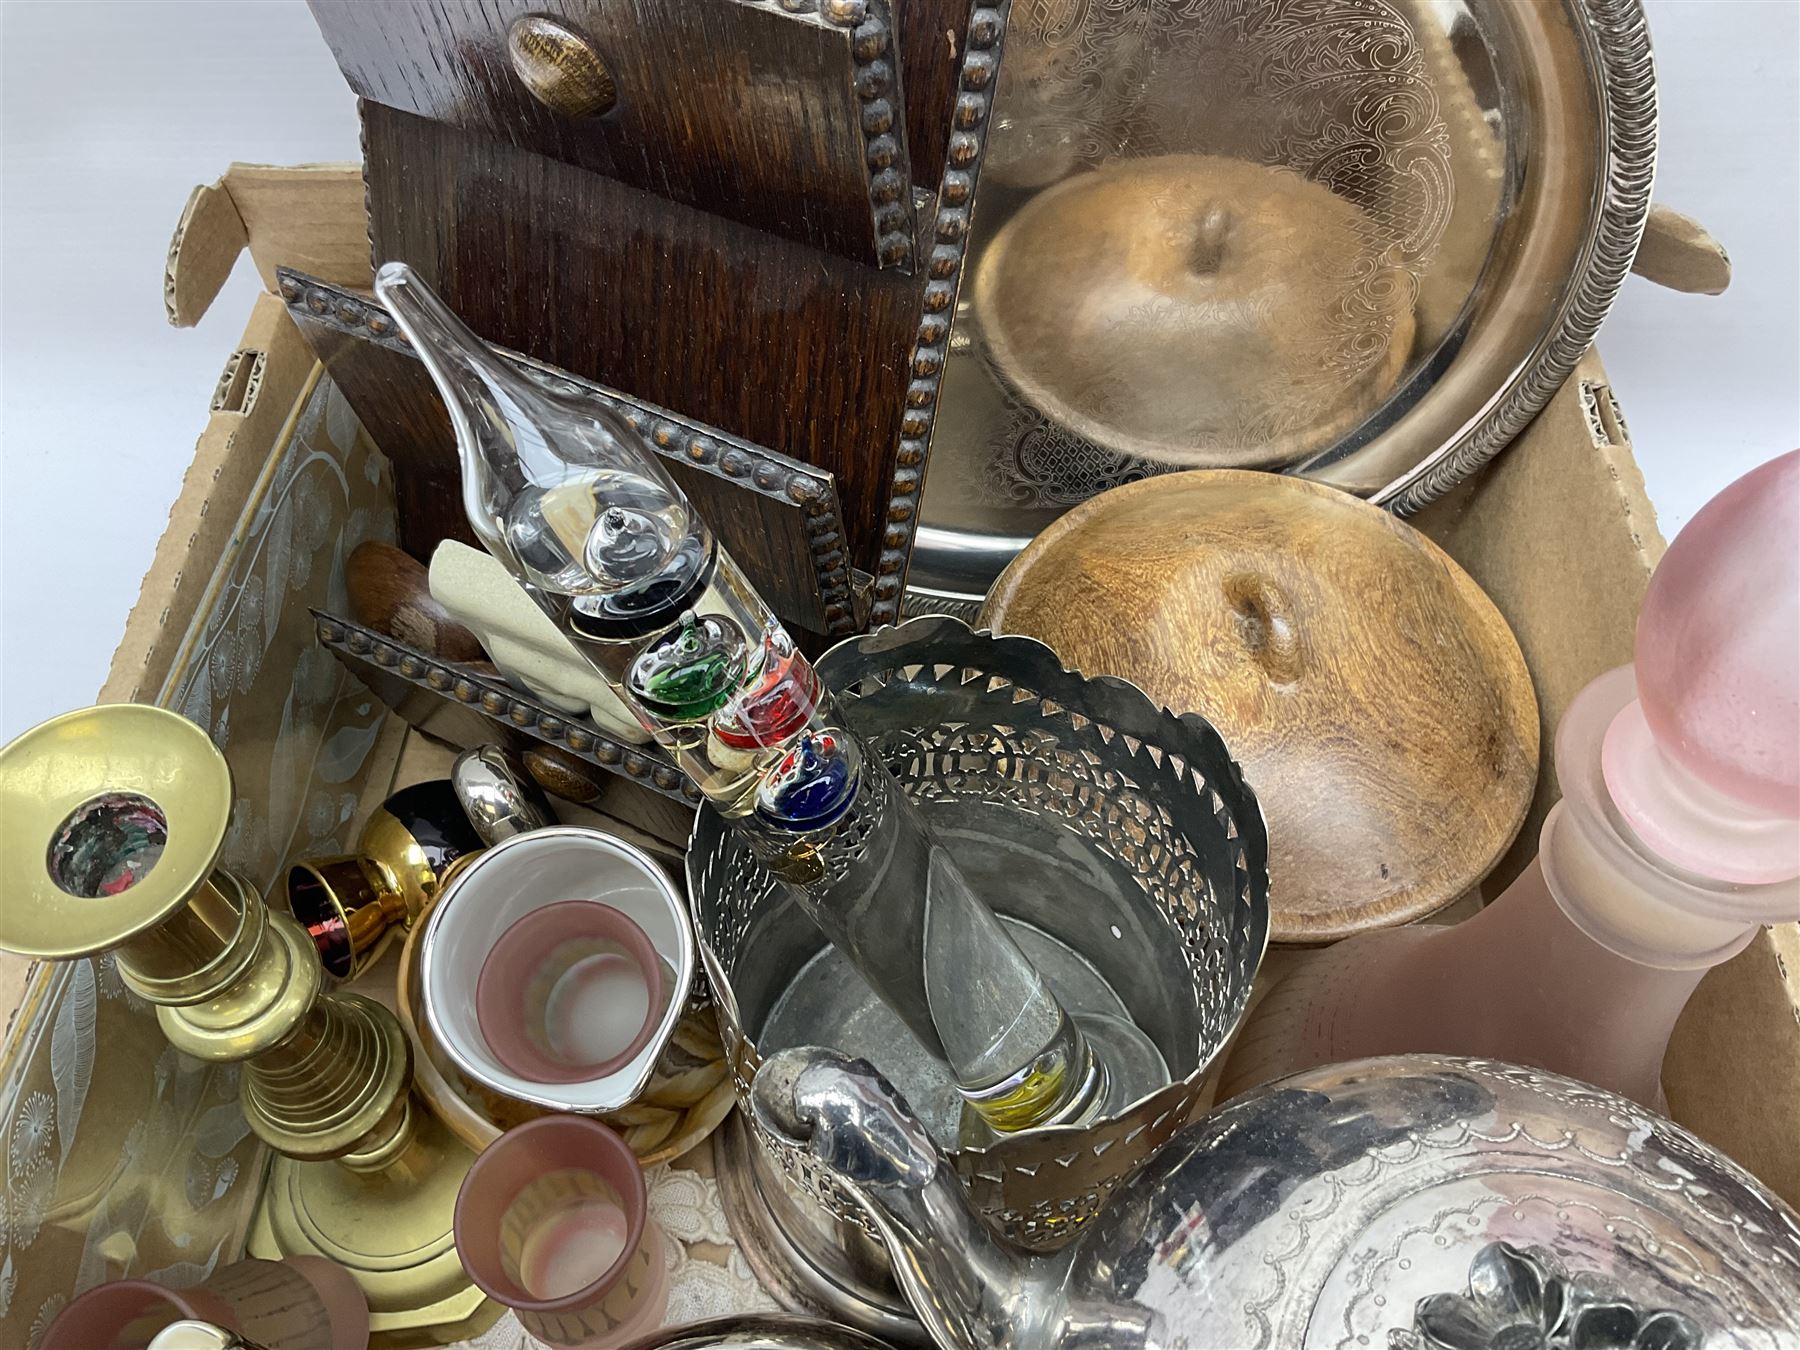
x,y
690,674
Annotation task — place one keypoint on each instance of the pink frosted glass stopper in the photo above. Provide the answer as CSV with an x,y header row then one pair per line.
x,y
1706,765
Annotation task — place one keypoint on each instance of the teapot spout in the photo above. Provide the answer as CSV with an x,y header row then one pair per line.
x,y
970,1290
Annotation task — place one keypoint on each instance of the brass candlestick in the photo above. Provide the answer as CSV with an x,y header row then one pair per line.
x,y
111,822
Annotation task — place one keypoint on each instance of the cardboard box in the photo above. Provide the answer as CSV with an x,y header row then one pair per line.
x,y
130,1161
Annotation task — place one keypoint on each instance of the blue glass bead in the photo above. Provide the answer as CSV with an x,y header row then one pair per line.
x,y
813,784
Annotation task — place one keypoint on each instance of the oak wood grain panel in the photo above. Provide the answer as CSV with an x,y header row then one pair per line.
x,y
778,518
929,34
778,343
770,117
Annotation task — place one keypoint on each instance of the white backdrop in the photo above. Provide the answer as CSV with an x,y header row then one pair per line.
x,y
110,113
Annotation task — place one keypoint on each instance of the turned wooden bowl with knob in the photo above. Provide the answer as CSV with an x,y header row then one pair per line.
x,y
1197,310
1376,699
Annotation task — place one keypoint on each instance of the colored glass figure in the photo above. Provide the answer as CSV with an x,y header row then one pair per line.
x,y
587,520
690,674
776,706
108,845
812,785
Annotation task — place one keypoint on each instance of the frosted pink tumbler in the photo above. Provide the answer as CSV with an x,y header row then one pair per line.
x,y
553,1221
1678,835
570,993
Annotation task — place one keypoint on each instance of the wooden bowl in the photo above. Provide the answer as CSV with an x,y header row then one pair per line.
x,y
1374,696
1196,310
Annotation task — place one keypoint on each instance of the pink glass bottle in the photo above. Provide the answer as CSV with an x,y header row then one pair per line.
x,y
1677,836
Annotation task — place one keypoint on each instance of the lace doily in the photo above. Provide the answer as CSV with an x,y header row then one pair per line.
x,y
708,1276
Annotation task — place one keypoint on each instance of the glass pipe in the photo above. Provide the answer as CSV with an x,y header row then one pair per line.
x,y
1678,834
581,512
352,904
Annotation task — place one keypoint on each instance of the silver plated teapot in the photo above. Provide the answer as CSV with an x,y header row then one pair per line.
x,y
1409,1203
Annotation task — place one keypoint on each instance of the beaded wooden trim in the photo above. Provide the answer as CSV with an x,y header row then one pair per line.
x,y
358,646
976,82
878,94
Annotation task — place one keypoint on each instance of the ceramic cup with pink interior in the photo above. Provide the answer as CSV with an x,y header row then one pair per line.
x,y
553,1221
300,1303
553,968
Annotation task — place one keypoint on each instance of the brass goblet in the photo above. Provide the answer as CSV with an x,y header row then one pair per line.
x,y
111,823
352,904
414,842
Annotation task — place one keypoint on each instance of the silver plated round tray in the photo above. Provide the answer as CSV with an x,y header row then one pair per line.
x,y
1490,164
757,1332
1418,1202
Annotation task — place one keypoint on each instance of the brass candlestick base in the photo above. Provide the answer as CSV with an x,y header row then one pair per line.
x,y
111,821
390,1228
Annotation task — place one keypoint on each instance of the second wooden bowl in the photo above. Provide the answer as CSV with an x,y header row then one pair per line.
x,y
1376,699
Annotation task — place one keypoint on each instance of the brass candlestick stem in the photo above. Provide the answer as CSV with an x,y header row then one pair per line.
x,y
111,822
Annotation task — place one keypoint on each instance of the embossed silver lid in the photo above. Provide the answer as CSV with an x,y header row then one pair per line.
x,y
1289,234
1432,1203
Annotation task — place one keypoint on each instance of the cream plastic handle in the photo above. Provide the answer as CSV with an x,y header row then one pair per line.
x,y
481,595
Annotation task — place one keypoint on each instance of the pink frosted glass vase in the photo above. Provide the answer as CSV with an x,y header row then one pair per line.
x,y
553,1221
1678,835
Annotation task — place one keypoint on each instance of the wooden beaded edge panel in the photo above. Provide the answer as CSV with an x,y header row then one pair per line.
x,y
977,80
881,492
779,343
378,659
881,105
783,115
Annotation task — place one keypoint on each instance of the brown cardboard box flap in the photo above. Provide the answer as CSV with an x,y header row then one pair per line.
x,y
260,390
1677,252
1560,533
1732,1073
308,216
